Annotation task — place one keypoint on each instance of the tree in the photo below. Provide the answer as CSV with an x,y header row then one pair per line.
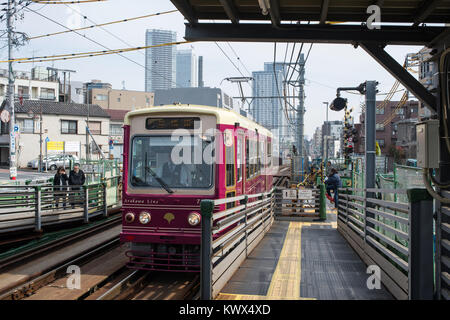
x,y
396,152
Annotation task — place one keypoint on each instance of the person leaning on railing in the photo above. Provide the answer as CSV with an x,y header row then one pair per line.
x,y
60,187
76,180
333,183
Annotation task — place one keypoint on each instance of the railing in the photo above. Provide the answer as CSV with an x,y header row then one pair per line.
x,y
300,205
32,207
229,235
443,250
396,237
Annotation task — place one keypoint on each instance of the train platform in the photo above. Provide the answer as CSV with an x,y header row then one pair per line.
x,y
302,260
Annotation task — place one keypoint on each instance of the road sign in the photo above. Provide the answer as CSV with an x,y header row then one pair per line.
x,y
72,146
305,194
5,116
290,194
13,172
16,128
55,146
47,139
12,137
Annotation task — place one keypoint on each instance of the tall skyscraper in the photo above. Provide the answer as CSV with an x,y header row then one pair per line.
x,y
267,108
201,84
186,69
160,62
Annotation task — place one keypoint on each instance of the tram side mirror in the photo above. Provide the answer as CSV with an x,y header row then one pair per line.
x,y
338,104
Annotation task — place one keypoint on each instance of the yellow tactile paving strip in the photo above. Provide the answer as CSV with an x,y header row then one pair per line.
x,y
288,271
285,283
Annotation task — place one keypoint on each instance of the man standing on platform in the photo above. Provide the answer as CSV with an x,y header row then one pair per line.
x,y
76,180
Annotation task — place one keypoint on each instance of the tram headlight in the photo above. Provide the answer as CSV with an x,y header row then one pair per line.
x,y
144,217
194,218
129,217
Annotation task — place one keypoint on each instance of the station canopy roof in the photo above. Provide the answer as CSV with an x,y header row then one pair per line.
x,y
405,11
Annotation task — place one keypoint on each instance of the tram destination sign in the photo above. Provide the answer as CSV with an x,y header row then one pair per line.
x,y
172,123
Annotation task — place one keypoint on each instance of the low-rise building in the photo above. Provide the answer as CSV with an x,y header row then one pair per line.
x,y
30,85
213,97
112,99
116,133
61,122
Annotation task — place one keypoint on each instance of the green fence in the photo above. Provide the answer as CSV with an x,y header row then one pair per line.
x,y
402,178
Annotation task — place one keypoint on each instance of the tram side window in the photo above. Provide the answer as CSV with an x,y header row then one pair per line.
x,y
252,158
262,157
239,158
229,165
247,158
269,153
258,156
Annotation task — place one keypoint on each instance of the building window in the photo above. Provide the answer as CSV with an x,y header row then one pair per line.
x,y
147,100
95,127
101,97
4,128
26,125
379,127
381,143
23,91
118,99
115,130
379,110
47,94
399,111
69,126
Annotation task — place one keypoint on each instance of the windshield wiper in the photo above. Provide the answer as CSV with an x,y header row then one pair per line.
x,y
160,181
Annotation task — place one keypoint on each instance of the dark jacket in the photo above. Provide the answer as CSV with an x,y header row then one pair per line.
x,y
77,179
334,181
60,180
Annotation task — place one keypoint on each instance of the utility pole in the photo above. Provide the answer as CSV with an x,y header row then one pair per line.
x,y
12,140
301,106
87,133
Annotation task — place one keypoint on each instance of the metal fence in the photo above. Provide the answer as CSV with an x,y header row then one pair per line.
x,y
229,235
401,245
32,207
298,203
443,250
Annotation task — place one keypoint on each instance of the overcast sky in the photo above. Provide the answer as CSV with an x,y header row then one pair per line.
x,y
328,67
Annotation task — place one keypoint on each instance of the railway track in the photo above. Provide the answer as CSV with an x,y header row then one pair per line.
x,y
47,247
147,285
22,275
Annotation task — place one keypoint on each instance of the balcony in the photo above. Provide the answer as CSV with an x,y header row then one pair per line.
x,y
47,97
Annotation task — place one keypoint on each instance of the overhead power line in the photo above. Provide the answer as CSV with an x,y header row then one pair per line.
x,y
98,43
103,24
121,40
89,54
64,2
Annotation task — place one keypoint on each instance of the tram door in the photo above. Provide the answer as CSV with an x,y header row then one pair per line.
x,y
240,164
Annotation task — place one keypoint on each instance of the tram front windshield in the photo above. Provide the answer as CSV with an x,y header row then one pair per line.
x,y
162,161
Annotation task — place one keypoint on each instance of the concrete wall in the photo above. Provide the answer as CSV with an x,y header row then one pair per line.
x,y
201,96
122,99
